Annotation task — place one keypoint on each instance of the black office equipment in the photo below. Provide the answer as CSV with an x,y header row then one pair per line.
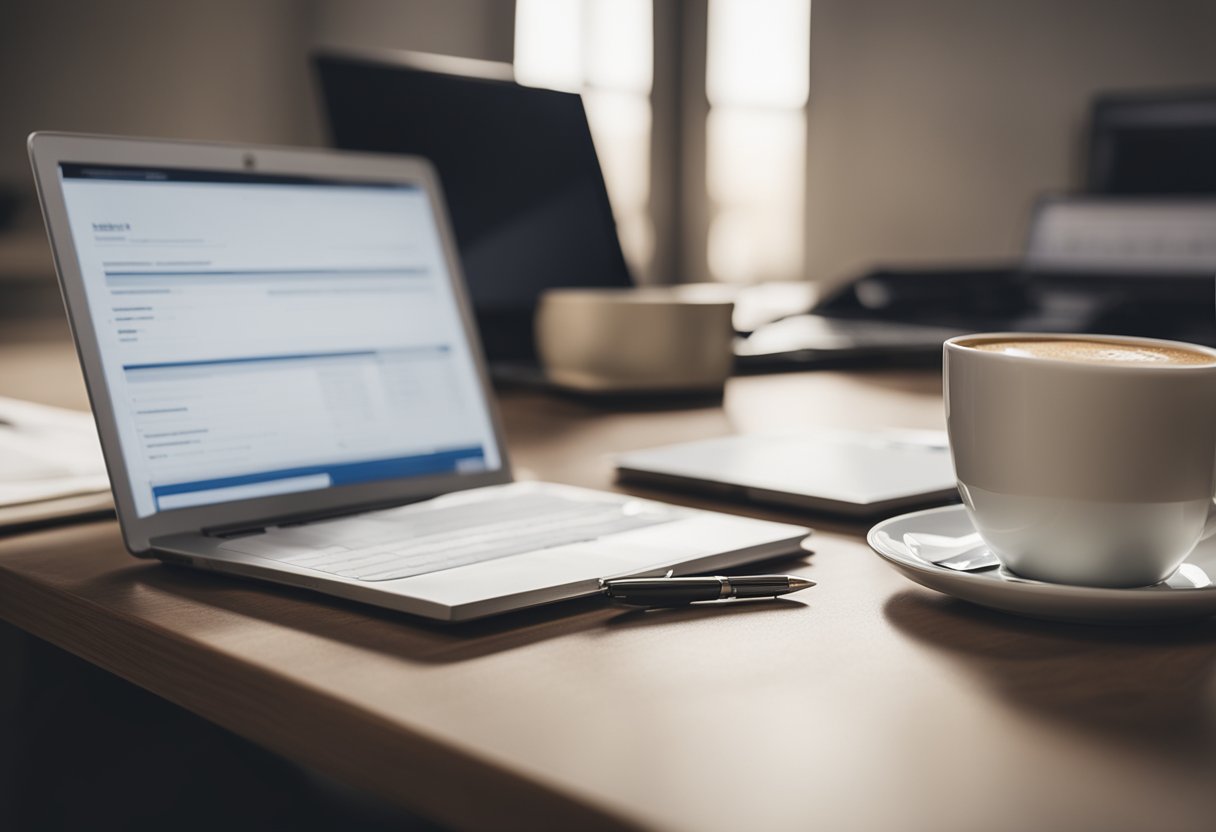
x,y
1126,265
1153,143
960,297
525,192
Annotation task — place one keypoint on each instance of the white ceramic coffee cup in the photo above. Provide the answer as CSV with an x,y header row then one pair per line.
x,y
650,339
1080,472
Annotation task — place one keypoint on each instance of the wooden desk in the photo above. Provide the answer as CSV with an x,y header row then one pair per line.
x,y
865,703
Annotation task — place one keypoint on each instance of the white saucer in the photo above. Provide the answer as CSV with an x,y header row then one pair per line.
x,y
1186,595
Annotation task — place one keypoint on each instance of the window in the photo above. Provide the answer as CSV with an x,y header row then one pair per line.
x,y
756,78
603,49
744,68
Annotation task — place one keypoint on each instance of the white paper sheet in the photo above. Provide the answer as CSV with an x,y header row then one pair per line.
x,y
47,453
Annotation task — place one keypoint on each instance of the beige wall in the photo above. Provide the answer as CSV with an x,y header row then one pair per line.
x,y
222,69
933,123
469,28
233,70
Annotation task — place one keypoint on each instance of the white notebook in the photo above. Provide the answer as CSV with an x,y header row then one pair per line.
x,y
47,453
51,468
855,473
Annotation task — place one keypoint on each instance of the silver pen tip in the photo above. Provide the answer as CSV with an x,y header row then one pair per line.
x,y
800,583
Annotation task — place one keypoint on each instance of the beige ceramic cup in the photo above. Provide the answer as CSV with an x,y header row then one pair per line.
x,y
634,340
1081,472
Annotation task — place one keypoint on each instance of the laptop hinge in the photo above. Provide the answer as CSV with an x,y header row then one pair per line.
x,y
227,532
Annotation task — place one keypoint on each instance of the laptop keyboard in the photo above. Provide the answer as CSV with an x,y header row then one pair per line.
x,y
416,540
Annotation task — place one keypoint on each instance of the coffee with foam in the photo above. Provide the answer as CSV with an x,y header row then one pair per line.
x,y
1122,353
1084,459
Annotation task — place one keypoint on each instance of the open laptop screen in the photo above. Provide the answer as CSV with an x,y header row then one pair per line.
x,y
265,334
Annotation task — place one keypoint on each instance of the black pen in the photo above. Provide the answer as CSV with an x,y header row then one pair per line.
x,y
674,592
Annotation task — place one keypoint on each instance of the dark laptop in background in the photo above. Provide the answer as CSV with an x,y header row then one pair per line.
x,y
527,198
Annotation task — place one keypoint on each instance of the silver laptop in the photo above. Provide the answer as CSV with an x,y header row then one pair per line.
x,y
846,472
287,385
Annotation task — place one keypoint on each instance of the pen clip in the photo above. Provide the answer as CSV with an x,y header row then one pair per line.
x,y
604,581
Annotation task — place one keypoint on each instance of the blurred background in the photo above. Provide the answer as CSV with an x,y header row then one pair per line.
x,y
741,141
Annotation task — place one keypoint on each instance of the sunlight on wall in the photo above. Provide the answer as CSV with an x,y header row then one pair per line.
x,y
604,50
757,74
756,80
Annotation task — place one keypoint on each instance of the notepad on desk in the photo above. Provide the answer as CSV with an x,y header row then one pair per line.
x,y
853,473
51,465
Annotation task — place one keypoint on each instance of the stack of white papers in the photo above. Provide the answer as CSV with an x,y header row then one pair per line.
x,y
47,453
